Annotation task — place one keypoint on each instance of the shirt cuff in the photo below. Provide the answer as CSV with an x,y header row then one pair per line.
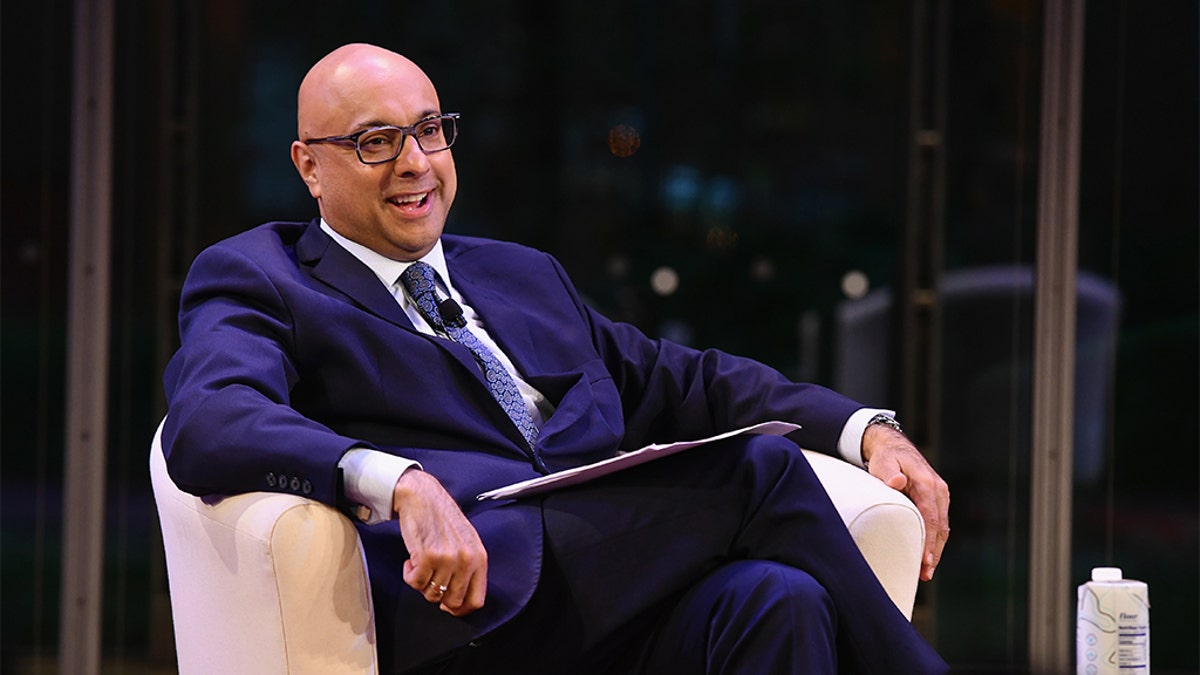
x,y
369,480
850,442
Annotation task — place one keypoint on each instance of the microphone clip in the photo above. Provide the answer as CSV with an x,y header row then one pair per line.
x,y
452,313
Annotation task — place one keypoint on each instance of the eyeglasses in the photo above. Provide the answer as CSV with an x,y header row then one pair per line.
x,y
383,144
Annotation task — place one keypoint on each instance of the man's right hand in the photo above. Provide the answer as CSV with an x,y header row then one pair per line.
x,y
447,562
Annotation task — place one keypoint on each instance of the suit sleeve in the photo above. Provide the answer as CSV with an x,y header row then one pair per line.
x,y
230,426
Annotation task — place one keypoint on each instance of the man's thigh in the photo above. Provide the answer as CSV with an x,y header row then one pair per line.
x,y
631,541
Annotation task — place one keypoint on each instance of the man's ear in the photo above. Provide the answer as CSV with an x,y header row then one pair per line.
x,y
306,164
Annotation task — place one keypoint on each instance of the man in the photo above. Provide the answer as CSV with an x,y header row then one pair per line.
x,y
369,361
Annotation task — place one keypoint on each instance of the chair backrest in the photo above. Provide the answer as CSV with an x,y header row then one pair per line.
x,y
979,306
263,582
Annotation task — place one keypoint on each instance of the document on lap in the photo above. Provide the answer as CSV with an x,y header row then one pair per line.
x,y
583,474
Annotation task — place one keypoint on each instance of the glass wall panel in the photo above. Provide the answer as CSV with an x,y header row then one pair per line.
x,y
985,329
1137,498
33,317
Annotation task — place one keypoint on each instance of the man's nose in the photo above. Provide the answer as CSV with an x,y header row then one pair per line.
x,y
411,160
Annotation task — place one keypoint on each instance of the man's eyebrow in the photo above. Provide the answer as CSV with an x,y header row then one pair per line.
x,y
369,124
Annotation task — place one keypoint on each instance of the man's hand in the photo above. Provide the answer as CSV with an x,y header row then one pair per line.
x,y
893,459
447,562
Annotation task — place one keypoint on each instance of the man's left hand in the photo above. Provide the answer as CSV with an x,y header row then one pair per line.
x,y
893,459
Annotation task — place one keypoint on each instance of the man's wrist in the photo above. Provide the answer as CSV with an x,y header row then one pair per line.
x,y
405,487
850,444
879,423
369,479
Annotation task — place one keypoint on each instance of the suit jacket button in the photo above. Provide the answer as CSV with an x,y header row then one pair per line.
x,y
271,478
295,484
306,488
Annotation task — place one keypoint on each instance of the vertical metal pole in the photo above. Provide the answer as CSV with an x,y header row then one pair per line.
x,y
918,306
173,210
917,314
89,262
1050,598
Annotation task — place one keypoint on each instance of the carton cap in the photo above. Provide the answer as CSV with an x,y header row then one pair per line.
x,y
1106,574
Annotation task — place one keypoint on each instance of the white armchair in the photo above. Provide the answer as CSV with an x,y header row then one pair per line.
x,y
265,583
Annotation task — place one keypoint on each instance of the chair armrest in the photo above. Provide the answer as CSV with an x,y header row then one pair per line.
x,y
887,527
263,582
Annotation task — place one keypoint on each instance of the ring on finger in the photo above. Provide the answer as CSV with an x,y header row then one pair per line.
x,y
441,588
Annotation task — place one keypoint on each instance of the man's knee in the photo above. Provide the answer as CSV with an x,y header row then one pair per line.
x,y
753,616
770,459
772,588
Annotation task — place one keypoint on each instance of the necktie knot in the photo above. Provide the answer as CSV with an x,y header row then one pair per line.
x,y
420,280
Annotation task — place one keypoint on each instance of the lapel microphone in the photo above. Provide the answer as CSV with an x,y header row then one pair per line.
x,y
452,313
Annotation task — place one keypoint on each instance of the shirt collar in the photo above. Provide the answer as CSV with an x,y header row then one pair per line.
x,y
385,268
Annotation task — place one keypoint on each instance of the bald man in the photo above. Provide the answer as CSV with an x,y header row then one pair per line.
x,y
371,361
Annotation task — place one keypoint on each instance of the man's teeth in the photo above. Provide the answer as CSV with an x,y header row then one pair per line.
x,y
410,199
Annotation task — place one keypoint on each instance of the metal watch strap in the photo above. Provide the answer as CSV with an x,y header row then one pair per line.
x,y
887,421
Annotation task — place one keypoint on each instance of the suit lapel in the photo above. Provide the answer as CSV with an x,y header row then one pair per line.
x,y
336,267
504,323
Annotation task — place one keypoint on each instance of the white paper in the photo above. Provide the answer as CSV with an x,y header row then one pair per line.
x,y
583,474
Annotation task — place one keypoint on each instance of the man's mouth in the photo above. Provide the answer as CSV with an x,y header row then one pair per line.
x,y
409,202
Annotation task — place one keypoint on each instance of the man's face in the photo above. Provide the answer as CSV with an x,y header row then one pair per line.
x,y
397,208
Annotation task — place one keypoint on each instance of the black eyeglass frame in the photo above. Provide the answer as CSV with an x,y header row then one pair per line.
x,y
405,132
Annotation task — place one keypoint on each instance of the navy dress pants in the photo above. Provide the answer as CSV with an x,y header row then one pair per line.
x,y
728,558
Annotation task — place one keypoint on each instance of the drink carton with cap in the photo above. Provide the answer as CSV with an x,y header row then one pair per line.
x,y
1112,630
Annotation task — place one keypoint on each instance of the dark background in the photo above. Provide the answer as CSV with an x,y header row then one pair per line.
x,y
774,162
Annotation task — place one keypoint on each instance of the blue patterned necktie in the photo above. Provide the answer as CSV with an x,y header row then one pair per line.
x,y
418,280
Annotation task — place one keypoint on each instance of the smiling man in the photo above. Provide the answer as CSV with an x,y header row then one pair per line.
x,y
395,208
371,361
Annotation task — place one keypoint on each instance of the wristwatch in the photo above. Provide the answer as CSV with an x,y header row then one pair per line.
x,y
887,421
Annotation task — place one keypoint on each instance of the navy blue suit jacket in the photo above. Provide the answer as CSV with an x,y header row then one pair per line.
x,y
292,352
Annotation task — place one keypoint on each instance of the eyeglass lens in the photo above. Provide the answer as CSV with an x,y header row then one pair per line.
x,y
382,145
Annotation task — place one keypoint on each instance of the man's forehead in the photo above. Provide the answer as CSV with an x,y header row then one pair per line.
x,y
371,86
361,63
